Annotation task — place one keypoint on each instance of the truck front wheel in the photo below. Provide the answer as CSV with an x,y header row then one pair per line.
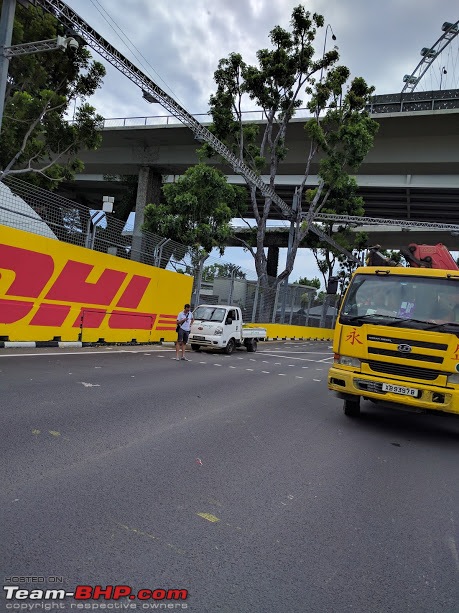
x,y
230,347
351,408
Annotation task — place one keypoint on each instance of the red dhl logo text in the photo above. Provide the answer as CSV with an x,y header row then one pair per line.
x,y
34,270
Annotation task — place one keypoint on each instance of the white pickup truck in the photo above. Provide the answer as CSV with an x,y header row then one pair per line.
x,y
220,326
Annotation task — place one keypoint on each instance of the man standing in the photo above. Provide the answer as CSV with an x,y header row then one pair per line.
x,y
184,321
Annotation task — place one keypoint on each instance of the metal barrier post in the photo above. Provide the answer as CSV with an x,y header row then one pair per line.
x,y
273,320
255,302
292,289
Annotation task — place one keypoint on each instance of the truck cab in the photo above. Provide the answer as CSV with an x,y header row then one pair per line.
x,y
396,340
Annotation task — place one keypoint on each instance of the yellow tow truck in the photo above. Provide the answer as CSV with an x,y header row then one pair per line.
x,y
396,339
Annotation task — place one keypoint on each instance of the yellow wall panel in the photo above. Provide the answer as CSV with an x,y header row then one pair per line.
x,y
53,290
281,331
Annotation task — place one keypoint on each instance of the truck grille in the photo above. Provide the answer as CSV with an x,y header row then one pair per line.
x,y
414,372
414,343
421,357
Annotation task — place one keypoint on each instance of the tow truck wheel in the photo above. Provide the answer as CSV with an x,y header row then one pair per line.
x,y
351,408
230,347
195,347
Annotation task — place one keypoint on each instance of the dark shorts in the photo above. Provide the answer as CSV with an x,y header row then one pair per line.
x,y
183,335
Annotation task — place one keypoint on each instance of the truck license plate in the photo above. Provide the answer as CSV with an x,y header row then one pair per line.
x,y
398,389
198,338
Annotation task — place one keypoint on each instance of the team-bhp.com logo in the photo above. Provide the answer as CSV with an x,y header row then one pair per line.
x,y
94,593
120,292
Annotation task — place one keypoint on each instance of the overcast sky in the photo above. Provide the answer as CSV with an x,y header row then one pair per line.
x,y
182,41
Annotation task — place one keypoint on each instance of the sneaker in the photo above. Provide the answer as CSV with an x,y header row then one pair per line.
x,y
186,359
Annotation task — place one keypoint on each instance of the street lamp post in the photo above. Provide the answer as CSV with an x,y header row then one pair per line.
x,y
325,46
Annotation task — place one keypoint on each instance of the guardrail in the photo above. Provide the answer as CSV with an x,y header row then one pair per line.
x,y
386,103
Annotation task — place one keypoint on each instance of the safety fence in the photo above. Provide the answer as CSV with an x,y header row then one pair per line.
x,y
26,207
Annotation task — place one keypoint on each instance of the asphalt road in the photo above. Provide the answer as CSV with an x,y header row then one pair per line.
x,y
237,478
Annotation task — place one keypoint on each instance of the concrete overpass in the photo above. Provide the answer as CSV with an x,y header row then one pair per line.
x,y
411,173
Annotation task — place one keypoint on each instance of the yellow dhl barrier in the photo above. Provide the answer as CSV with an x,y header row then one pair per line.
x,y
287,331
50,290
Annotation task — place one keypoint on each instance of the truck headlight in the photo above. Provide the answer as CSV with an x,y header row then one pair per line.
x,y
454,378
346,360
218,331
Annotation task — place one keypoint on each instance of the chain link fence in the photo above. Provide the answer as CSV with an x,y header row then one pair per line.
x,y
32,209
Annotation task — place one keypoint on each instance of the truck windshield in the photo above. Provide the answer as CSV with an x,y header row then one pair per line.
x,y
401,300
209,314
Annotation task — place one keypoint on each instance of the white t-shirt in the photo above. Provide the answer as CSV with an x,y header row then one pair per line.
x,y
186,324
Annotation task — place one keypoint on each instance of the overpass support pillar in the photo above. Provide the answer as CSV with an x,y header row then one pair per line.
x,y
148,190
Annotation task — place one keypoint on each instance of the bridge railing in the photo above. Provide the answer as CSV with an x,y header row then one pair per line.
x,y
387,103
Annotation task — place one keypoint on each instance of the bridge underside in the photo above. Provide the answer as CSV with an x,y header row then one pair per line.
x,y
436,204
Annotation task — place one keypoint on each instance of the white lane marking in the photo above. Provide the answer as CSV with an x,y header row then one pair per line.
x,y
97,366
90,384
251,369
275,352
290,357
203,362
252,360
217,364
297,377
281,374
318,380
232,366
240,358
305,367
111,350
277,363
265,372
291,365
265,361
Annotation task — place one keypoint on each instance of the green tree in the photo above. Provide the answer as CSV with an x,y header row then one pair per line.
x,y
340,130
314,282
213,271
198,209
43,90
